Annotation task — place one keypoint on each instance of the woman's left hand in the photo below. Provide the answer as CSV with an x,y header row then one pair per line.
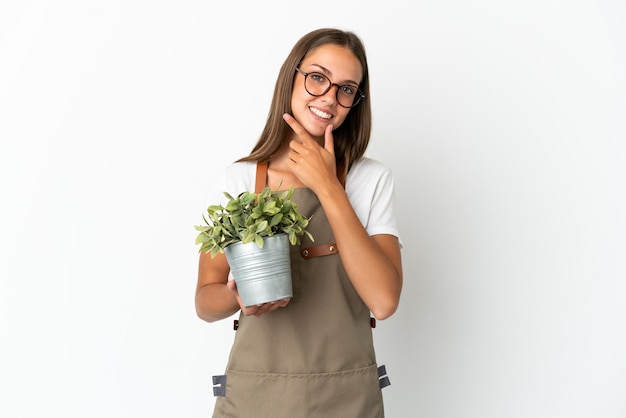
x,y
260,309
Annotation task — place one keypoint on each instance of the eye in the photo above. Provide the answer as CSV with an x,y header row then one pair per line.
x,y
348,90
318,78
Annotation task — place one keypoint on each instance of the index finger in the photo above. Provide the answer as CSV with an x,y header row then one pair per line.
x,y
297,128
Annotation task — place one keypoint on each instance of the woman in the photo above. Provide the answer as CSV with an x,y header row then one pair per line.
x,y
312,355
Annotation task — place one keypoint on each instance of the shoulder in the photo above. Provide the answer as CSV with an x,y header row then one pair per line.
x,y
369,165
234,178
369,182
240,169
368,171
239,177
370,189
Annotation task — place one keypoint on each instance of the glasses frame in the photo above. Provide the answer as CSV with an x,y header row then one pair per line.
x,y
359,94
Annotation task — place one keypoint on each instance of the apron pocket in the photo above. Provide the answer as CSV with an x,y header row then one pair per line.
x,y
351,393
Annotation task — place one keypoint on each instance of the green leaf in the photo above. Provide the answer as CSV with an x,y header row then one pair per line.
x,y
247,198
232,206
261,227
276,219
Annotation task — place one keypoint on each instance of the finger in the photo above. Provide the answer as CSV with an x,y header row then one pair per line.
x,y
297,146
232,285
297,128
329,141
291,121
283,302
262,309
247,310
250,310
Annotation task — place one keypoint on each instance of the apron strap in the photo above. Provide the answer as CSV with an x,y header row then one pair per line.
x,y
319,250
261,176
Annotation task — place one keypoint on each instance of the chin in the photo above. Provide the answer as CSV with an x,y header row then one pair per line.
x,y
316,129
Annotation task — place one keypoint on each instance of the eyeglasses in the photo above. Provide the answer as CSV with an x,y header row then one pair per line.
x,y
317,84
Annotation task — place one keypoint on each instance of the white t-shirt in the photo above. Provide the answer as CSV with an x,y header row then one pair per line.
x,y
369,187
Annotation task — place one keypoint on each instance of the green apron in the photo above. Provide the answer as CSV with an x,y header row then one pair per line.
x,y
313,358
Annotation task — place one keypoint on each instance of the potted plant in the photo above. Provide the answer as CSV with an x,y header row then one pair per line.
x,y
254,231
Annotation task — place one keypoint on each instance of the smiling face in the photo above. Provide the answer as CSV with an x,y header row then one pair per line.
x,y
314,113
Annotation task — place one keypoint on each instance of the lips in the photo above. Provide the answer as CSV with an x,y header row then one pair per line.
x,y
320,113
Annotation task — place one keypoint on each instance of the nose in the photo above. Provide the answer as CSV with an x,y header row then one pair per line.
x,y
331,94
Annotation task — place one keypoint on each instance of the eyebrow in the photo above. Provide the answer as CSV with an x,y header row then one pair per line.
x,y
327,71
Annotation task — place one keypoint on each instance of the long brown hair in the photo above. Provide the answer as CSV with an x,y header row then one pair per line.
x,y
352,137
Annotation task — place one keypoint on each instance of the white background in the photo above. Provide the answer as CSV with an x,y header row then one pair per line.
x,y
502,121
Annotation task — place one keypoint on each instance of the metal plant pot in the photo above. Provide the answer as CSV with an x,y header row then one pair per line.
x,y
262,274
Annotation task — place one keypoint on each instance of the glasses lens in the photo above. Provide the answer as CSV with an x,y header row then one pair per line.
x,y
316,84
347,95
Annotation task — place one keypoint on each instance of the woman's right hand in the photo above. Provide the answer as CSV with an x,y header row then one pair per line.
x,y
257,310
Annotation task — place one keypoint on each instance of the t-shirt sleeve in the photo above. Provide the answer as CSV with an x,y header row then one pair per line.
x,y
382,219
370,187
233,179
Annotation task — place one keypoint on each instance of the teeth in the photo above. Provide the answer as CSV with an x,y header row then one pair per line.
x,y
320,113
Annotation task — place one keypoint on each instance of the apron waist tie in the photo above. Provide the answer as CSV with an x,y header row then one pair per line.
x,y
383,380
219,385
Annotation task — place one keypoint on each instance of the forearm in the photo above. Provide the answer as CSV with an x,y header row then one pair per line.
x,y
215,301
375,271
